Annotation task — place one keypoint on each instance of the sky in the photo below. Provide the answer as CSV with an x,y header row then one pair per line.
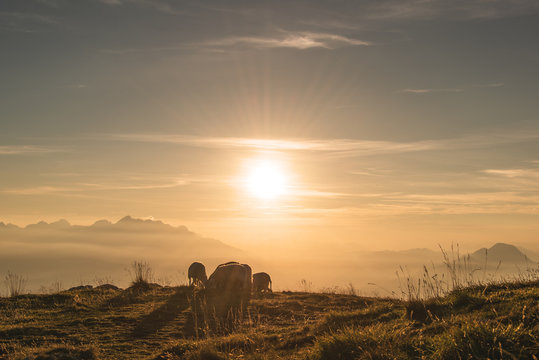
x,y
390,124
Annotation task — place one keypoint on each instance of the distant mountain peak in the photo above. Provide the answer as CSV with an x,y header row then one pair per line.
x,y
127,219
60,223
503,246
39,225
129,222
501,252
8,225
101,223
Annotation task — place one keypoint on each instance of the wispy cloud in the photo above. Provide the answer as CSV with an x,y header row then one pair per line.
x,y
33,17
456,9
338,147
25,21
342,146
305,192
427,91
370,172
36,190
26,149
296,40
513,173
282,39
472,203
89,187
450,90
490,85
397,204
157,5
366,10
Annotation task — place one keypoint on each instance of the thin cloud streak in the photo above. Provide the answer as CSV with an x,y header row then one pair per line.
x,y
26,149
300,192
153,4
371,10
25,22
86,187
336,147
490,85
455,9
30,17
291,40
142,50
297,40
449,90
427,91
513,173
428,204
342,146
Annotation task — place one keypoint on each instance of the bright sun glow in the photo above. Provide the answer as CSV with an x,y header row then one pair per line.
x,y
266,179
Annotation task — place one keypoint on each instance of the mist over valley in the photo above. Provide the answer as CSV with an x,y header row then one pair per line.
x,y
72,255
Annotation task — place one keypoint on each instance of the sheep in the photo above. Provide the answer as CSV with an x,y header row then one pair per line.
x,y
229,287
261,282
197,274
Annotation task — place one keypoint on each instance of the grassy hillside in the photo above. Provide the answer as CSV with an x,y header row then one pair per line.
x,y
496,322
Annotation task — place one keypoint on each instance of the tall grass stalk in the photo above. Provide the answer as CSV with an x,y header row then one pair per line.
x,y
141,272
459,268
429,285
458,272
15,284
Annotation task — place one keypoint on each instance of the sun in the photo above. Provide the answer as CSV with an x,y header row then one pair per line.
x,y
266,179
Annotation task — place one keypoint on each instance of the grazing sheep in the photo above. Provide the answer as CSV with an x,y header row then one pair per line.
x,y
197,274
261,282
229,287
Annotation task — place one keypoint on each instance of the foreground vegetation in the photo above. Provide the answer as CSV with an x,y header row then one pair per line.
x,y
499,321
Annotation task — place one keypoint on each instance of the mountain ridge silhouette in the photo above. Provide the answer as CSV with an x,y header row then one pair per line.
x,y
501,252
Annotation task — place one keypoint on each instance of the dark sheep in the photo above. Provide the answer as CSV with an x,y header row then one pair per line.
x,y
197,274
261,282
229,287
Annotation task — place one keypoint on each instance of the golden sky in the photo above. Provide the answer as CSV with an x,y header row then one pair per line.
x,y
357,125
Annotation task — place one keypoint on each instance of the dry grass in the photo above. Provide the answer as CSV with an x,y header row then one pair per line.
x,y
141,273
15,284
454,316
159,323
128,324
457,272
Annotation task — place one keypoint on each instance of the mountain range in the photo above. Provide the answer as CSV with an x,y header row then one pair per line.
x,y
497,253
74,254
46,252
127,223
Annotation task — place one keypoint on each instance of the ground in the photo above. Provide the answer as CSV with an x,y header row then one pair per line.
x,y
495,321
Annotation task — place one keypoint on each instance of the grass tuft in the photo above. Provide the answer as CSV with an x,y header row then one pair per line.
x,y
375,342
141,274
440,318
15,284
476,340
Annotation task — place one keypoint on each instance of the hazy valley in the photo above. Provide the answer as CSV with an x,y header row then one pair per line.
x,y
70,255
